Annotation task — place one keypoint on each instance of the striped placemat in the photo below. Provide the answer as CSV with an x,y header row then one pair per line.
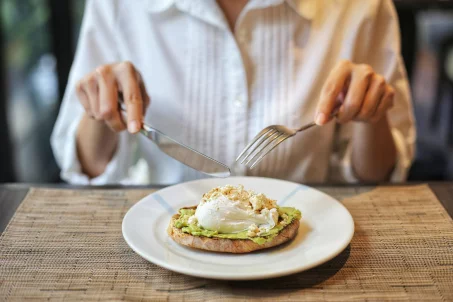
x,y
67,245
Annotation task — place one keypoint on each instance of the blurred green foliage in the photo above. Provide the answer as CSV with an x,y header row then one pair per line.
x,y
25,32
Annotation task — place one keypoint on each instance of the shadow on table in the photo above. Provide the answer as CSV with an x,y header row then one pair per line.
x,y
307,279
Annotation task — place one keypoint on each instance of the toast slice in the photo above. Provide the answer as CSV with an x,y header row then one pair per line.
x,y
236,246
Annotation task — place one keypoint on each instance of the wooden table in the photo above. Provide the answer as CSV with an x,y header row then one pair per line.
x,y
11,195
67,245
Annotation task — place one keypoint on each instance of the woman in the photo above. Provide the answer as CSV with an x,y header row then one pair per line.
x,y
217,72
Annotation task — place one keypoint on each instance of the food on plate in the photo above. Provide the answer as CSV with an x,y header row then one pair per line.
x,y
231,219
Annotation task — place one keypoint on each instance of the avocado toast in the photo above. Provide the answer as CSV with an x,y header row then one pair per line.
x,y
184,230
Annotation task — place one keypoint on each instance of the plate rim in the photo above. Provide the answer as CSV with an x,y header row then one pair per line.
x,y
223,276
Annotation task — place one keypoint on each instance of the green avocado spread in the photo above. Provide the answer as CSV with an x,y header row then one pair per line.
x,y
286,215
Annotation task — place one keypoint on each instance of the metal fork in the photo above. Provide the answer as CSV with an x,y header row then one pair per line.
x,y
267,140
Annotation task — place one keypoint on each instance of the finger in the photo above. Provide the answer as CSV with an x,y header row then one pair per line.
x,y
331,90
352,105
132,95
90,87
373,98
108,99
116,123
83,98
386,103
145,96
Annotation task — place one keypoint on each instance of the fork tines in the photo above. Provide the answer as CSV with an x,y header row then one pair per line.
x,y
263,143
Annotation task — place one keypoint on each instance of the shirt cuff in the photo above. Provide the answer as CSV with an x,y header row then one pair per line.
x,y
402,164
117,170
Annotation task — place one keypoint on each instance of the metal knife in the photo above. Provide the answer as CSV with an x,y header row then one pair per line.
x,y
183,153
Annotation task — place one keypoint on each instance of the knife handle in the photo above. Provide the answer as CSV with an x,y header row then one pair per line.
x,y
146,130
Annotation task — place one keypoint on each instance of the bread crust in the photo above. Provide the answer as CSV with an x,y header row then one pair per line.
x,y
235,246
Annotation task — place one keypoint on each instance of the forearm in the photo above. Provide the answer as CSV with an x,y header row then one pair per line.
x,y
373,151
96,145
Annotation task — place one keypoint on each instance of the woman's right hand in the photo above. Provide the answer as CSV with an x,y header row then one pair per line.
x,y
99,92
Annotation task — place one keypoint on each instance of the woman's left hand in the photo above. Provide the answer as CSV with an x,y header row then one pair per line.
x,y
363,94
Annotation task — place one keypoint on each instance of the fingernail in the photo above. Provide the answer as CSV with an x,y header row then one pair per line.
x,y
133,127
321,119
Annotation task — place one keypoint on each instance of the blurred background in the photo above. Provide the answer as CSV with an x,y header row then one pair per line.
x,y
38,39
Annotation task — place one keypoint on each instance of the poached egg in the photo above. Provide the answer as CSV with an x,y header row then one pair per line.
x,y
231,209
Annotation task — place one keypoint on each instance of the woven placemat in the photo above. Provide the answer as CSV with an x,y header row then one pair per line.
x,y
67,245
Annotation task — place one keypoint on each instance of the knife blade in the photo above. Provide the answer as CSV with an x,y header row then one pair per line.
x,y
184,154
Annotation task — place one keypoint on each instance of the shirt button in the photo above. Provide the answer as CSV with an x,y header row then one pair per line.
x,y
239,101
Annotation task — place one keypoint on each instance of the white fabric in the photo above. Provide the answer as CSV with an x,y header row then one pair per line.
x,y
215,90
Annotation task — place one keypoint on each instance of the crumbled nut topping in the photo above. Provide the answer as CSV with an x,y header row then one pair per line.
x,y
249,199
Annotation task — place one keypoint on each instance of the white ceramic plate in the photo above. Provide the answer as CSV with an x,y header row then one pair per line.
x,y
326,229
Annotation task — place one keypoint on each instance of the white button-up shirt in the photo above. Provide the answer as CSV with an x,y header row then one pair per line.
x,y
214,89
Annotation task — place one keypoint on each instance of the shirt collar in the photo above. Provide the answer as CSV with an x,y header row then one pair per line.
x,y
206,10
307,9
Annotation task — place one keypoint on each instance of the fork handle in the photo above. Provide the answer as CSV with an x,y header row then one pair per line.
x,y
308,126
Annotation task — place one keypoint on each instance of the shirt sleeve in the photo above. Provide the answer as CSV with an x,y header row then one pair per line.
x,y
96,47
381,41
